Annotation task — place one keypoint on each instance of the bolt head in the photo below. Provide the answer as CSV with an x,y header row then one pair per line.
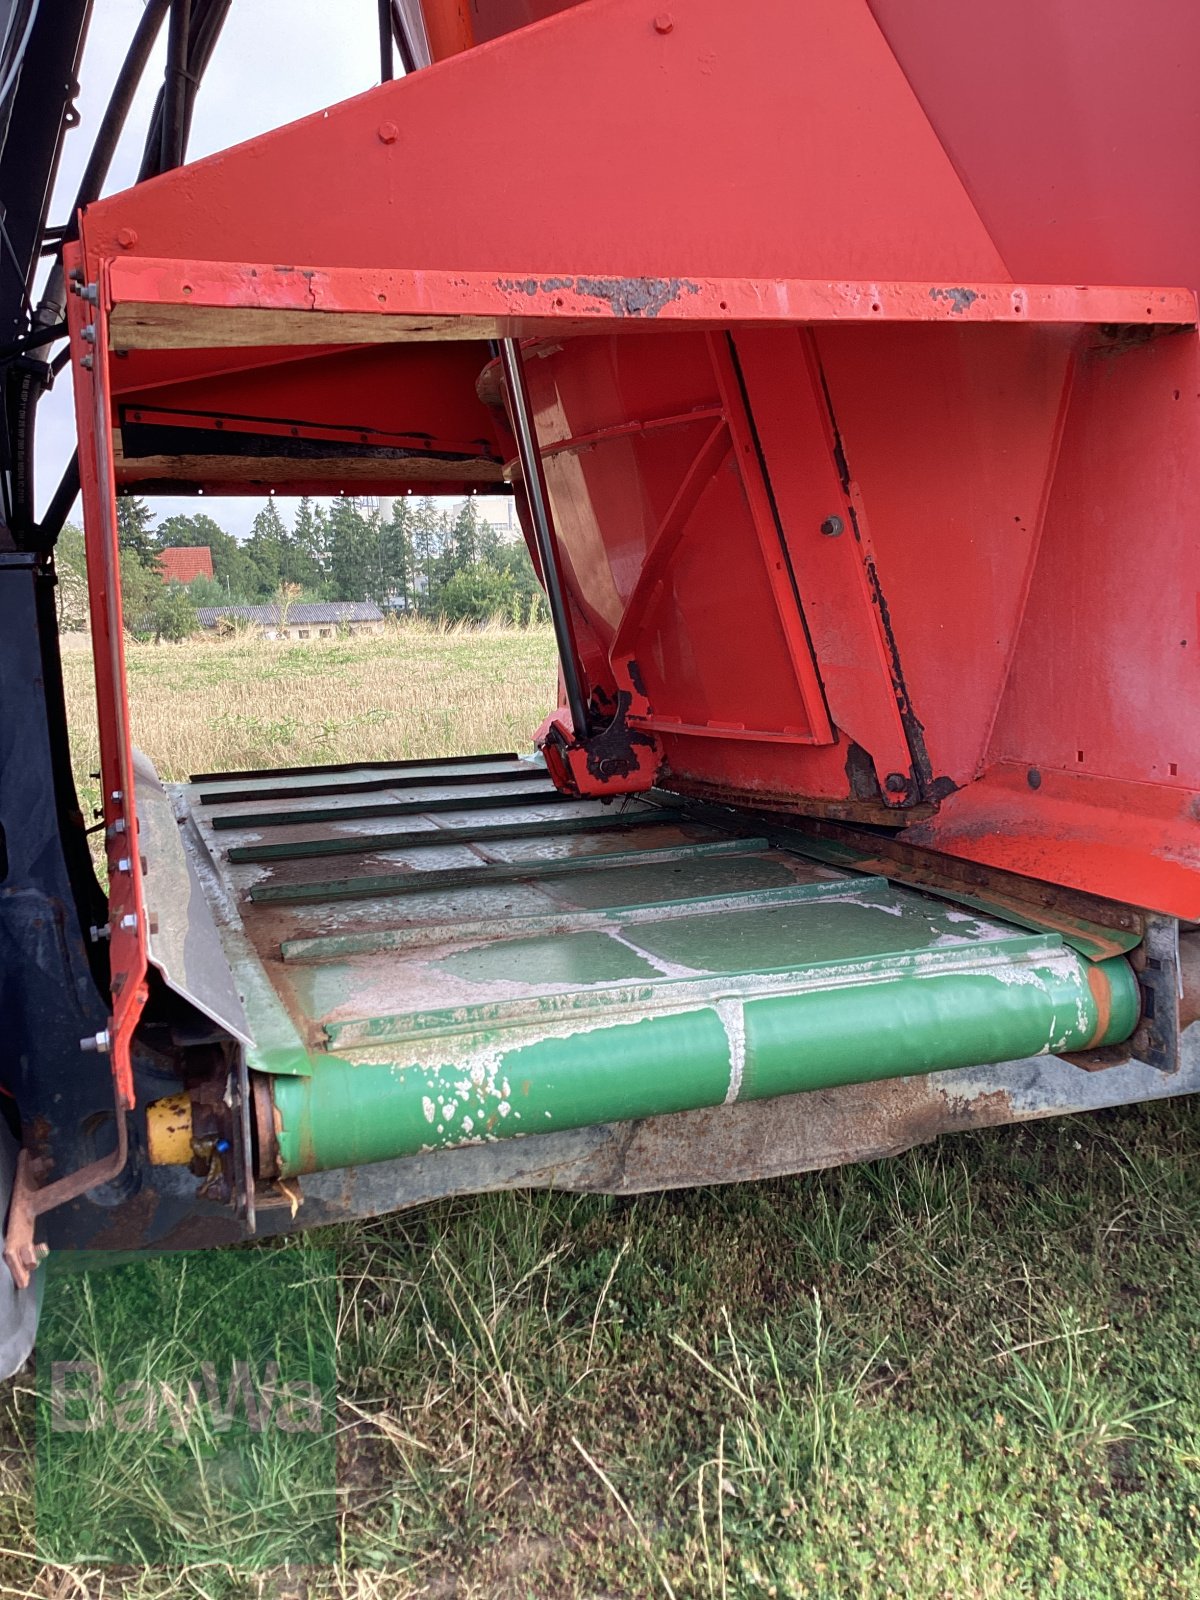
x,y
98,1043
127,238
129,920
832,526
388,133
895,783
664,22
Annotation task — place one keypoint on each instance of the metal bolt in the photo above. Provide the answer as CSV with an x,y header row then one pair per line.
x,y
129,920
116,795
88,333
832,526
127,238
86,363
124,864
76,277
118,826
388,133
97,1043
90,293
895,783
97,934
664,22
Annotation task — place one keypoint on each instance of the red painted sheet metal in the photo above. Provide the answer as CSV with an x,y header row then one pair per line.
x,y
782,144
127,941
419,304
1074,125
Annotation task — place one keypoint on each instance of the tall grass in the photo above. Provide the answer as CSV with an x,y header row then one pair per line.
x,y
419,689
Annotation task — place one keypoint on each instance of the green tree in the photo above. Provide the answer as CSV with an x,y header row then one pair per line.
x,y
207,592
477,593
354,566
172,615
513,559
464,536
396,553
266,548
135,531
141,590
232,567
70,569
310,536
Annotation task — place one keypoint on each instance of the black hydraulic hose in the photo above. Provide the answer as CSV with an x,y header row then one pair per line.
x,y
206,31
113,121
26,389
176,86
387,70
539,508
61,501
207,21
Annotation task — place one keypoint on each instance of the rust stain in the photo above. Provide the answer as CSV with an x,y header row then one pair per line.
x,y
626,297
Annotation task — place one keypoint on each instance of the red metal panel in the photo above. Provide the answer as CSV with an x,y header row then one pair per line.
x,y
126,905
371,305
1073,124
951,438
738,146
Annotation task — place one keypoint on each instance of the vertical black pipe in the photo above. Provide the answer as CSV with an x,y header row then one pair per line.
x,y
539,508
175,87
386,69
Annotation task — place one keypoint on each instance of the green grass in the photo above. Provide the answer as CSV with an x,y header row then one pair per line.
x,y
971,1370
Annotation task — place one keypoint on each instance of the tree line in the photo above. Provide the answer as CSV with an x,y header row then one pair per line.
x,y
422,560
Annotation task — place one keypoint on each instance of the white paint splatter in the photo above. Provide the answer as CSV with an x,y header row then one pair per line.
x,y
733,1020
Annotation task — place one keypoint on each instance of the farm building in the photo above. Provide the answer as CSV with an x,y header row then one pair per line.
x,y
181,563
318,619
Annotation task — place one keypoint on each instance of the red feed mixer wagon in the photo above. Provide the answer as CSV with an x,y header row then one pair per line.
x,y
842,361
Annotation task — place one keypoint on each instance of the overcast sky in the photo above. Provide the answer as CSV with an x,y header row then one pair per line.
x,y
276,60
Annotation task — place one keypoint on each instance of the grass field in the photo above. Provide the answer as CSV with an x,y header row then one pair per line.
x,y
968,1371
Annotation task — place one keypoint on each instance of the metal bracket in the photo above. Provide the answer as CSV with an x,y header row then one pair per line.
x,y
1156,1040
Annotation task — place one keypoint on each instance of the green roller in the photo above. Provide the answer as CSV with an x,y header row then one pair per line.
x,y
814,1030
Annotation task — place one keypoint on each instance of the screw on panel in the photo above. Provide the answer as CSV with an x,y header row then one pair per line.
x,y
127,238
116,795
664,22
99,1043
895,783
86,363
388,133
832,526
129,920
124,864
91,293
118,826
88,333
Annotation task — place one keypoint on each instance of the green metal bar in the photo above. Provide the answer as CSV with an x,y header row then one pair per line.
x,y
421,780
369,843
444,1092
340,946
352,766
487,875
395,808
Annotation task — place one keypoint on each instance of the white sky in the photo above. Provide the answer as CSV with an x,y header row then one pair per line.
x,y
276,60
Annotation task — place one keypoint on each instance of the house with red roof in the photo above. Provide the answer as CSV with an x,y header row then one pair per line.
x,y
180,563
